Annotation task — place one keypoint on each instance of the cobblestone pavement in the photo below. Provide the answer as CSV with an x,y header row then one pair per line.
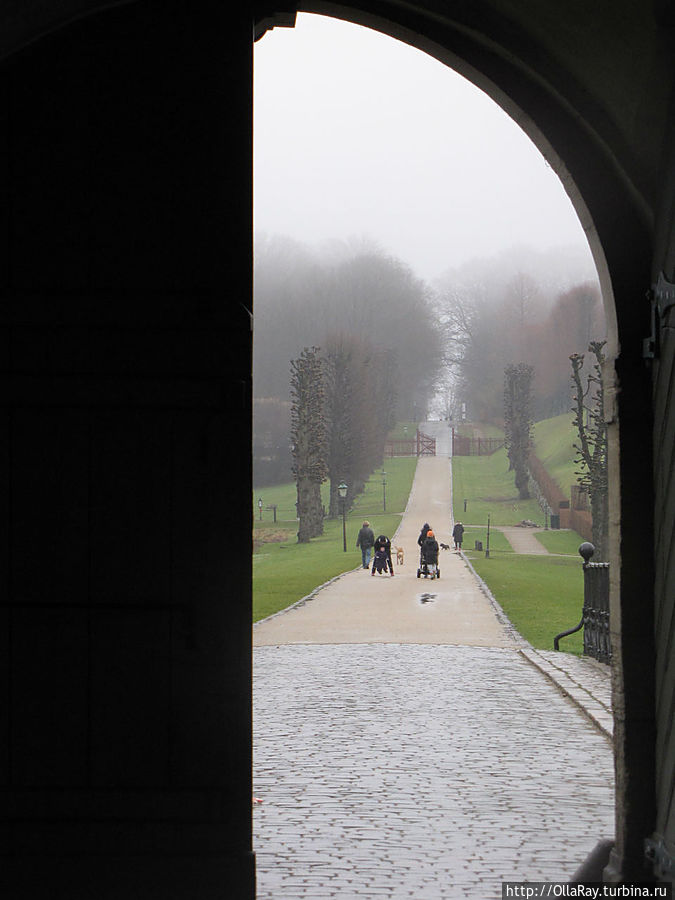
x,y
585,681
419,771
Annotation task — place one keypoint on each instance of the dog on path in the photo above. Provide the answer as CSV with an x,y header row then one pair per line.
x,y
399,555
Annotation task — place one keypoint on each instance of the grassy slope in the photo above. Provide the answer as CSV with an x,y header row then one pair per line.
x,y
553,439
488,486
285,571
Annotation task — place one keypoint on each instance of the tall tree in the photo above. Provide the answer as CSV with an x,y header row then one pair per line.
x,y
518,422
308,437
589,420
360,410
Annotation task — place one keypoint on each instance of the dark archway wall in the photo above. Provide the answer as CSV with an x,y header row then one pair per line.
x,y
125,276
125,511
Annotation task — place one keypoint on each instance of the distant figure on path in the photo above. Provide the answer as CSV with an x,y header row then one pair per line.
x,y
382,559
365,540
458,535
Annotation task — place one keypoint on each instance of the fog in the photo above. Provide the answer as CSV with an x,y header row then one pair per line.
x,y
359,137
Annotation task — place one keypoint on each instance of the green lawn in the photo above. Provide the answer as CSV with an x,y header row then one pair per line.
x,y
399,475
565,541
285,571
498,543
541,595
488,487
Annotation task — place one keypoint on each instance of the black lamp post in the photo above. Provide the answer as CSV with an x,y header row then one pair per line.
x,y
384,490
342,494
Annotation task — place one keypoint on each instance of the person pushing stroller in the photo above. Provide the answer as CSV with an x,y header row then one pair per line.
x,y
429,557
382,556
423,534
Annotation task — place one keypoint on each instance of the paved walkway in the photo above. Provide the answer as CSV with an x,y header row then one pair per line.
x,y
523,540
362,608
419,749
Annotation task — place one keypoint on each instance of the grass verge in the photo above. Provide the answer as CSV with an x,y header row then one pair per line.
x,y
541,595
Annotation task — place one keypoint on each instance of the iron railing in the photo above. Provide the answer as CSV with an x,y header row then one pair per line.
x,y
595,612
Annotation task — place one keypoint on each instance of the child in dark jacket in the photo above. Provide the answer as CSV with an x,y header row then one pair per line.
x,y
382,558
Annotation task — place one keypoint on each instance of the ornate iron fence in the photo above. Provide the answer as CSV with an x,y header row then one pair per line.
x,y
595,612
597,641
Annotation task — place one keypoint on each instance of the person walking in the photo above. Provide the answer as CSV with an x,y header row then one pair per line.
x,y
365,540
430,550
458,535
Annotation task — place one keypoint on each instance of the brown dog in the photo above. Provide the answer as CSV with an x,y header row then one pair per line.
x,y
399,556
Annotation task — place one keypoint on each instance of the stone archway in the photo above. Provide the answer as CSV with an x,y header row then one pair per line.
x,y
125,350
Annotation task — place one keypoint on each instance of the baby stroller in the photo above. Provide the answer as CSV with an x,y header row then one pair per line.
x,y
382,556
429,558
380,564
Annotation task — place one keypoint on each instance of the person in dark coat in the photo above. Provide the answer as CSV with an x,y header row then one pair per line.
x,y
423,533
458,535
430,549
365,540
382,559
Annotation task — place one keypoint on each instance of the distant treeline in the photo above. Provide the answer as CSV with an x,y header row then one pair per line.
x,y
362,300
484,334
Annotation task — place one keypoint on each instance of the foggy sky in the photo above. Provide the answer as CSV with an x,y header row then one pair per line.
x,y
359,135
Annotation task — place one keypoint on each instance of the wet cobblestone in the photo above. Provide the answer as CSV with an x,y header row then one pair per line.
x,y
391,770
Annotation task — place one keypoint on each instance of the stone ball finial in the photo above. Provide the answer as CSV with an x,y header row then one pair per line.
x,y
586,550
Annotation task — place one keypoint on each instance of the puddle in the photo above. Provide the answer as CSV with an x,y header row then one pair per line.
x,y
427,598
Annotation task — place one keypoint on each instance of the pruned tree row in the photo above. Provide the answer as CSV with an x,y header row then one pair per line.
x,y
303,300
343,405
308,440
518,422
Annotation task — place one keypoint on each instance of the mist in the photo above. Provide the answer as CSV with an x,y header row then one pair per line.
x,y
361,138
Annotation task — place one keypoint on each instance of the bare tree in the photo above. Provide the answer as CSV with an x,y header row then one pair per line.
x,y
589,419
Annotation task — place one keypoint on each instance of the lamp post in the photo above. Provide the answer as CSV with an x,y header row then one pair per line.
x,y
342,494
384,490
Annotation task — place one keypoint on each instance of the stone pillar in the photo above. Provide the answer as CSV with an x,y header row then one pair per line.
x,y
125,457
629,414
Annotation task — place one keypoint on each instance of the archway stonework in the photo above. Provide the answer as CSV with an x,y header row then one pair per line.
x,y
125,347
